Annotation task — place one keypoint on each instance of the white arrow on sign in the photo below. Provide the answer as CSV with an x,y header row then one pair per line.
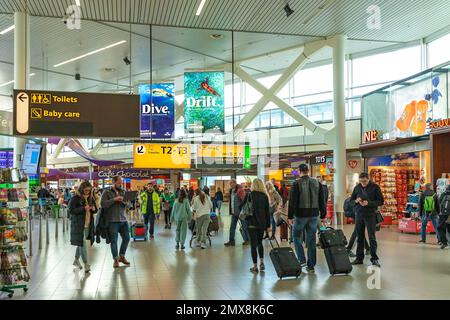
x,y
22,111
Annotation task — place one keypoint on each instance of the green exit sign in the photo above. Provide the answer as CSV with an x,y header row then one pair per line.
x,y
247,164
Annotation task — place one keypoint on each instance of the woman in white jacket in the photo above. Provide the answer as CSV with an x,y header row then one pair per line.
x,y
202,207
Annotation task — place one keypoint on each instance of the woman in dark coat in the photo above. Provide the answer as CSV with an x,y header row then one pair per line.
x,y
258,223
82,208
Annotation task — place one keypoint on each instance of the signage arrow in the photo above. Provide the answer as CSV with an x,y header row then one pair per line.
x,y
22,97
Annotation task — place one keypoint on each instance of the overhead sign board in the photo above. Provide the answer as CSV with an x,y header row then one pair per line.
x,y
162,156
226,156
75,114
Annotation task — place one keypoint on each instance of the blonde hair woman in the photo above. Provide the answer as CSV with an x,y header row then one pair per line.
x,y
275,202
258,222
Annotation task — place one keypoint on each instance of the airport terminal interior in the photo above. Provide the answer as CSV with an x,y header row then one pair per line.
x,y
150,149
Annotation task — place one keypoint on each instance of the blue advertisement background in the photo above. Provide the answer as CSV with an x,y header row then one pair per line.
x,y
157,125
201,119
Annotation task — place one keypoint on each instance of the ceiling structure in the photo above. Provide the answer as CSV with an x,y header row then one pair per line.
x,y
267,40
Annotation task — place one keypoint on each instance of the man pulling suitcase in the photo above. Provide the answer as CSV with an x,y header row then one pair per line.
x,y
306,203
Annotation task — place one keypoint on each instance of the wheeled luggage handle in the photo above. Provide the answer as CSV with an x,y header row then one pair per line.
x,y
276,241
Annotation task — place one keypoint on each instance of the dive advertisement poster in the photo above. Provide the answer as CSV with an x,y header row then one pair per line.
x,y
204,103
157,110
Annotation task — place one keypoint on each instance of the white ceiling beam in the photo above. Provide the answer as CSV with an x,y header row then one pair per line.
x,y
96,148
309,49
59,148
179,111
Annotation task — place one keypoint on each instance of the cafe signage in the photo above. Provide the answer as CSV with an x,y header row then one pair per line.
x,y
75,114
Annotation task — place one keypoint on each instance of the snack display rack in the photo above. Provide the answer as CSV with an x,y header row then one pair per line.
x,y
13,231
396,185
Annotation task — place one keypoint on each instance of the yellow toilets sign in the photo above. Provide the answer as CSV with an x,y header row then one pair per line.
x,y
75,114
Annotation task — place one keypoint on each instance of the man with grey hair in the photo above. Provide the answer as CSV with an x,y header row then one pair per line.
x,y
237,196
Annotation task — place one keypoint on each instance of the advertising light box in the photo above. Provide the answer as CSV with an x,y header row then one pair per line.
x,y
157,110
204,102
162,156
75,114
31,158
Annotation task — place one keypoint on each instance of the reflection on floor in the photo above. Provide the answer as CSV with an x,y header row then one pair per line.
x,y
409,271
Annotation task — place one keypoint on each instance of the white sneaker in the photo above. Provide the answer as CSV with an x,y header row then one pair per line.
x,y
77,264
87,267
203,246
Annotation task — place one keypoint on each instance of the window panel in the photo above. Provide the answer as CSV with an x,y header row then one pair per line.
x,y
439,51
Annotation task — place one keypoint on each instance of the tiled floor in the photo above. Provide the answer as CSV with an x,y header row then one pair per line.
x,y
409,271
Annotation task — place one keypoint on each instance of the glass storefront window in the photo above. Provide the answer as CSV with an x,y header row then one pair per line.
x,y
439,51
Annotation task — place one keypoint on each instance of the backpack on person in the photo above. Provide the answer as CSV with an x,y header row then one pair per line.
x,y
429,204
349,208
445,205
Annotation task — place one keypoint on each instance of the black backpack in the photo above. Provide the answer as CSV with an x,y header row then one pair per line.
x,y
349,208
445,205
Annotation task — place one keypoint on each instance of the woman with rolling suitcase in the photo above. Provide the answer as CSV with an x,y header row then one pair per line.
x,y
255,210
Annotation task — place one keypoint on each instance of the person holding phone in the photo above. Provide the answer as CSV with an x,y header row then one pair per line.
x,y
82,208
368,197
114,208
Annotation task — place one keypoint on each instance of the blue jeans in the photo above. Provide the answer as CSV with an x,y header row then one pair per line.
x,y
150,219
219,205
309,226
82,251
244,230
434,221
116,228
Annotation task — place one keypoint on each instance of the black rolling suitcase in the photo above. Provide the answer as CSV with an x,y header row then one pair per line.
x,y
333,242
285,261
338,260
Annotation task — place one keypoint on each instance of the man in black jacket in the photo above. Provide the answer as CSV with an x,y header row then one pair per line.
x,y
306,202
368,197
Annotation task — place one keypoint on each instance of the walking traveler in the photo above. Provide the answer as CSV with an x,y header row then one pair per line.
x,y
114,209
237,195
429,210
444,217
219,199
306,203
181,215
368,197
168,199
275,204
258,221
150,203
82,208
201,207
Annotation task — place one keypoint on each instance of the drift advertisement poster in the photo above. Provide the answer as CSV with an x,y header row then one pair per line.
x,y
157,110
204,103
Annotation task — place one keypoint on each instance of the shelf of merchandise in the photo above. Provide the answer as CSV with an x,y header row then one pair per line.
x,y
15,246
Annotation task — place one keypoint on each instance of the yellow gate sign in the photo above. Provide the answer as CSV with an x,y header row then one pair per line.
x,y
162,156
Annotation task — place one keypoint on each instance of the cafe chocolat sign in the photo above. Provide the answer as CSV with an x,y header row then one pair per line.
x,y
76,114
125,173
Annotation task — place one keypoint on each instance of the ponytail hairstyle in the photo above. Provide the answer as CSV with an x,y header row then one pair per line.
x,y
201,195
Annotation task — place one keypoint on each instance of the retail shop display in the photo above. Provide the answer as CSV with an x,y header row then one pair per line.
x,y
411,222
13,231
386,179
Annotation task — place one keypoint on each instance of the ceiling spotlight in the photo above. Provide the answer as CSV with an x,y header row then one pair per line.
x,y
216,36
127,61
288,10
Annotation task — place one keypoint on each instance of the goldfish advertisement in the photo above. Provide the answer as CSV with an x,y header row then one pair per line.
x,y
157,110
204,104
